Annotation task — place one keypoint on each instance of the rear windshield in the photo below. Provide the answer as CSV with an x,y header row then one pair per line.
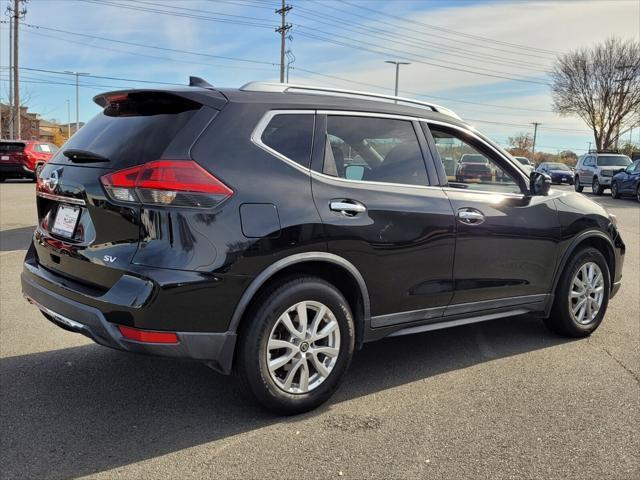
x,y
132,132
7,147
471,158
613,161
557,166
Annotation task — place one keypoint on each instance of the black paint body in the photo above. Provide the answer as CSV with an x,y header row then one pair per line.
x,y
406,261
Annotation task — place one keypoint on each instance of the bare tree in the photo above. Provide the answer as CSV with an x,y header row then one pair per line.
x,y
521,145
602,86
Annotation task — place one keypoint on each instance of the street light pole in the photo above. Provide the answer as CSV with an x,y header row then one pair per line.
x,y
68,118
397,64
77,74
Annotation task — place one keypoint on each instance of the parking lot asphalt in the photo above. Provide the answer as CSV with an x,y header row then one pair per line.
x,y
502,399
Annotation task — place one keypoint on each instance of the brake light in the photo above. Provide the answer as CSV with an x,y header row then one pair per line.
x,y
147,336
178,183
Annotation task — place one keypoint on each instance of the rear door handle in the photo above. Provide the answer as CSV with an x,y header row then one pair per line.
x,y
348,208
470,216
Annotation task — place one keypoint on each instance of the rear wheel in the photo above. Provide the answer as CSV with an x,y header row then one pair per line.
x,y
576,184
297,345
2,179
596,187
582,295
638,193
614,190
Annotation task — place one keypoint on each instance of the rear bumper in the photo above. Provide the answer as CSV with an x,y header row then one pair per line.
x,y
213,348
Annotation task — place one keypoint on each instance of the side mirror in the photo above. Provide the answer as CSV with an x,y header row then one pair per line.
x,y
539,183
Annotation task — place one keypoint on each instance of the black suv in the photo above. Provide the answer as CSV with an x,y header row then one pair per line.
x,y
273,229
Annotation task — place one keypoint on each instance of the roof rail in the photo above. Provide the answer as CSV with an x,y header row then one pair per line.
x,y
286,87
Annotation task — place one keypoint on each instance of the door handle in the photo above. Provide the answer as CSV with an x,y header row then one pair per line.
x,y
348,208
470,216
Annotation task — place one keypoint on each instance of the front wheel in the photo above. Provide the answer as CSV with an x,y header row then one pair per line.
x,y
582,295
596,187
638,193
297,345
614,190
576,184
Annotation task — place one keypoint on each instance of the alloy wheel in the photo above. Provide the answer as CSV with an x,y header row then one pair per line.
x,y
586,293
303,347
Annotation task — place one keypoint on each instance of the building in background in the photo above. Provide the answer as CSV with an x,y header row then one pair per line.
x,y
29,123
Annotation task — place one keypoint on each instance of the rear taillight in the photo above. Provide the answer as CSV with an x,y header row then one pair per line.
x,y
176,183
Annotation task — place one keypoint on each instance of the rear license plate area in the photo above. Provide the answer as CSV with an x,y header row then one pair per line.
x,y
66,221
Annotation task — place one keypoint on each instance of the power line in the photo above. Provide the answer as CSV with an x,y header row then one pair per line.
x,y
449,99
467,69
129,6
415,41
155,47
450,31
416,58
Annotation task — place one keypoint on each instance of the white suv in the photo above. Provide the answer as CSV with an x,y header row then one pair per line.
x,y
597,169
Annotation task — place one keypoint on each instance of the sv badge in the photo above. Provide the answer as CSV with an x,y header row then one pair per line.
x,y
109,258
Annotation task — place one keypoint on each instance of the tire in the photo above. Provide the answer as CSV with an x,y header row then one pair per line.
x,y
265,324
562,320
614,190
596,187
638,193
576,184
2,179
37,171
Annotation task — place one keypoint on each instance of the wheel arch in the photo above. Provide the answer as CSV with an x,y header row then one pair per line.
x,y
591,238
335,269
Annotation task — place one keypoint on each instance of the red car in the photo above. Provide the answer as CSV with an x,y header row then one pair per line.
x,y
24,158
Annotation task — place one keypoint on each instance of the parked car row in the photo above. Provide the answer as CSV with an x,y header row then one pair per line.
x,y
24,159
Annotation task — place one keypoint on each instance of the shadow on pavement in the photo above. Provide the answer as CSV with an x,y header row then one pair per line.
x,y
75,411
16,239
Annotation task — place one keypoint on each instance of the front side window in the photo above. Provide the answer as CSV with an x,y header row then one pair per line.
x,y
469,168
373,149
291,135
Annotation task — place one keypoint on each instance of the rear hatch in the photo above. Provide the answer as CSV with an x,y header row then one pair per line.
x,y
87,232
12,152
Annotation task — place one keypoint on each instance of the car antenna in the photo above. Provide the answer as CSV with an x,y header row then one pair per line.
x,y
199,82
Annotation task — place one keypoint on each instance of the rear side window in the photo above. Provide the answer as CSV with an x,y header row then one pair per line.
x,y
373,149
45,148
291,135
133,132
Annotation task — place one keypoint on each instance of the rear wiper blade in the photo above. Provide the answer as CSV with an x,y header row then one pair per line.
x,y
83,156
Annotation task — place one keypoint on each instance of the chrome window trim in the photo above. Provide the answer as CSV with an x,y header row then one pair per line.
x,y
469,131
256,139
256,136
61,198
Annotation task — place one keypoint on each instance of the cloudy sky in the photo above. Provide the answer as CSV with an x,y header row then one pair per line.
x,y
485,60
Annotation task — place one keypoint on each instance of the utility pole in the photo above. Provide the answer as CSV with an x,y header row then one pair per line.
x,y
10,102
77,74
17,15
397,64
68,118
535,135
282,30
